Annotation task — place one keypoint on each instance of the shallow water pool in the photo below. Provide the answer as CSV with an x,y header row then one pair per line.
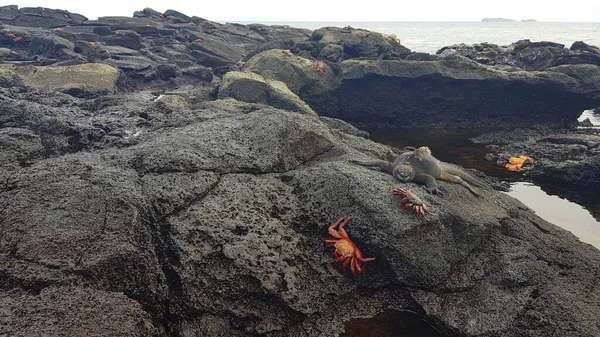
x,y
558,210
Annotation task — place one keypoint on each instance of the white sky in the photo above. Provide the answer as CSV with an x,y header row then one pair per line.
x,y
348,10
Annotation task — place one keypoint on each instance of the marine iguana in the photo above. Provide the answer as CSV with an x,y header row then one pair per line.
x,y
421,167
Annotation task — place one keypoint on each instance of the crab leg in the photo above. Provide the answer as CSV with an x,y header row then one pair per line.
x,y
341,229
345,264
332,230
359,268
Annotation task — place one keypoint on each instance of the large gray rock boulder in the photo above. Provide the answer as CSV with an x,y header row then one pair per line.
x,y
252,88
451,92
299,74
212,221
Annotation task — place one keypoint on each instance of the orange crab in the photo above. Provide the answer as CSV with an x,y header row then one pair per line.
x,y
516,163
320,67
16,38
345,249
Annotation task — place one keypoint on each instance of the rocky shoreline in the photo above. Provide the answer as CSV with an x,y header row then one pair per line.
x,y
165,175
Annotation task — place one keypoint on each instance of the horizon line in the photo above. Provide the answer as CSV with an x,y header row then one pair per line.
x,y
346,21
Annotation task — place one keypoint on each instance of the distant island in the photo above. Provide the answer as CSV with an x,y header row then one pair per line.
x,y
529,20
498,20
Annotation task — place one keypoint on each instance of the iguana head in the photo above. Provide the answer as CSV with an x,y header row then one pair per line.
x,y
422,151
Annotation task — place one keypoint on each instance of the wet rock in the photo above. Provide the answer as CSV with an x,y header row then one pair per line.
x,y
567,157
253,88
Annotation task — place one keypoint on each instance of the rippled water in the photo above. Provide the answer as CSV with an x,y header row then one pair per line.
x,y
430,36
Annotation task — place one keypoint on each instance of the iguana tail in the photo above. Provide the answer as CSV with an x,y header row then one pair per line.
x,y
382,164
457,171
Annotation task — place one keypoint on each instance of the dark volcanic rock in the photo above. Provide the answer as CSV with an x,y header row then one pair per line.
x,y
164,212
39,17
211,220
73,312
527,55
358,43
451,92
565,157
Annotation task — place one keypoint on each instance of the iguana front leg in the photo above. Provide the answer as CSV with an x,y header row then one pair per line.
x,y
429,182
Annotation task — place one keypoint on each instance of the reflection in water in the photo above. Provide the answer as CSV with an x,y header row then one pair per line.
x,y
390,323
558,211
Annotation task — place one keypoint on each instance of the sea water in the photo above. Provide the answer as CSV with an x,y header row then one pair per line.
x,y
429,37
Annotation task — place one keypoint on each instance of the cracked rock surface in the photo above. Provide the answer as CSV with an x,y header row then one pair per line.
x,y
174,217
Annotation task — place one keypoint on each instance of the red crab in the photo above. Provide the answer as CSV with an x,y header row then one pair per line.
x,y
345,249
320,67
411,202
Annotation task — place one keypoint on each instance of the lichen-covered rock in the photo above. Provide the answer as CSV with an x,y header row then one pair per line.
x,y
298,73
91,78
252,88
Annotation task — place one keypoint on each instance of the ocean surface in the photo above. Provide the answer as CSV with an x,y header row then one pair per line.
x,y
430,36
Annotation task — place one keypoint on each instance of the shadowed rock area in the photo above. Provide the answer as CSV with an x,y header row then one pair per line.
x,y
450,92
158,208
